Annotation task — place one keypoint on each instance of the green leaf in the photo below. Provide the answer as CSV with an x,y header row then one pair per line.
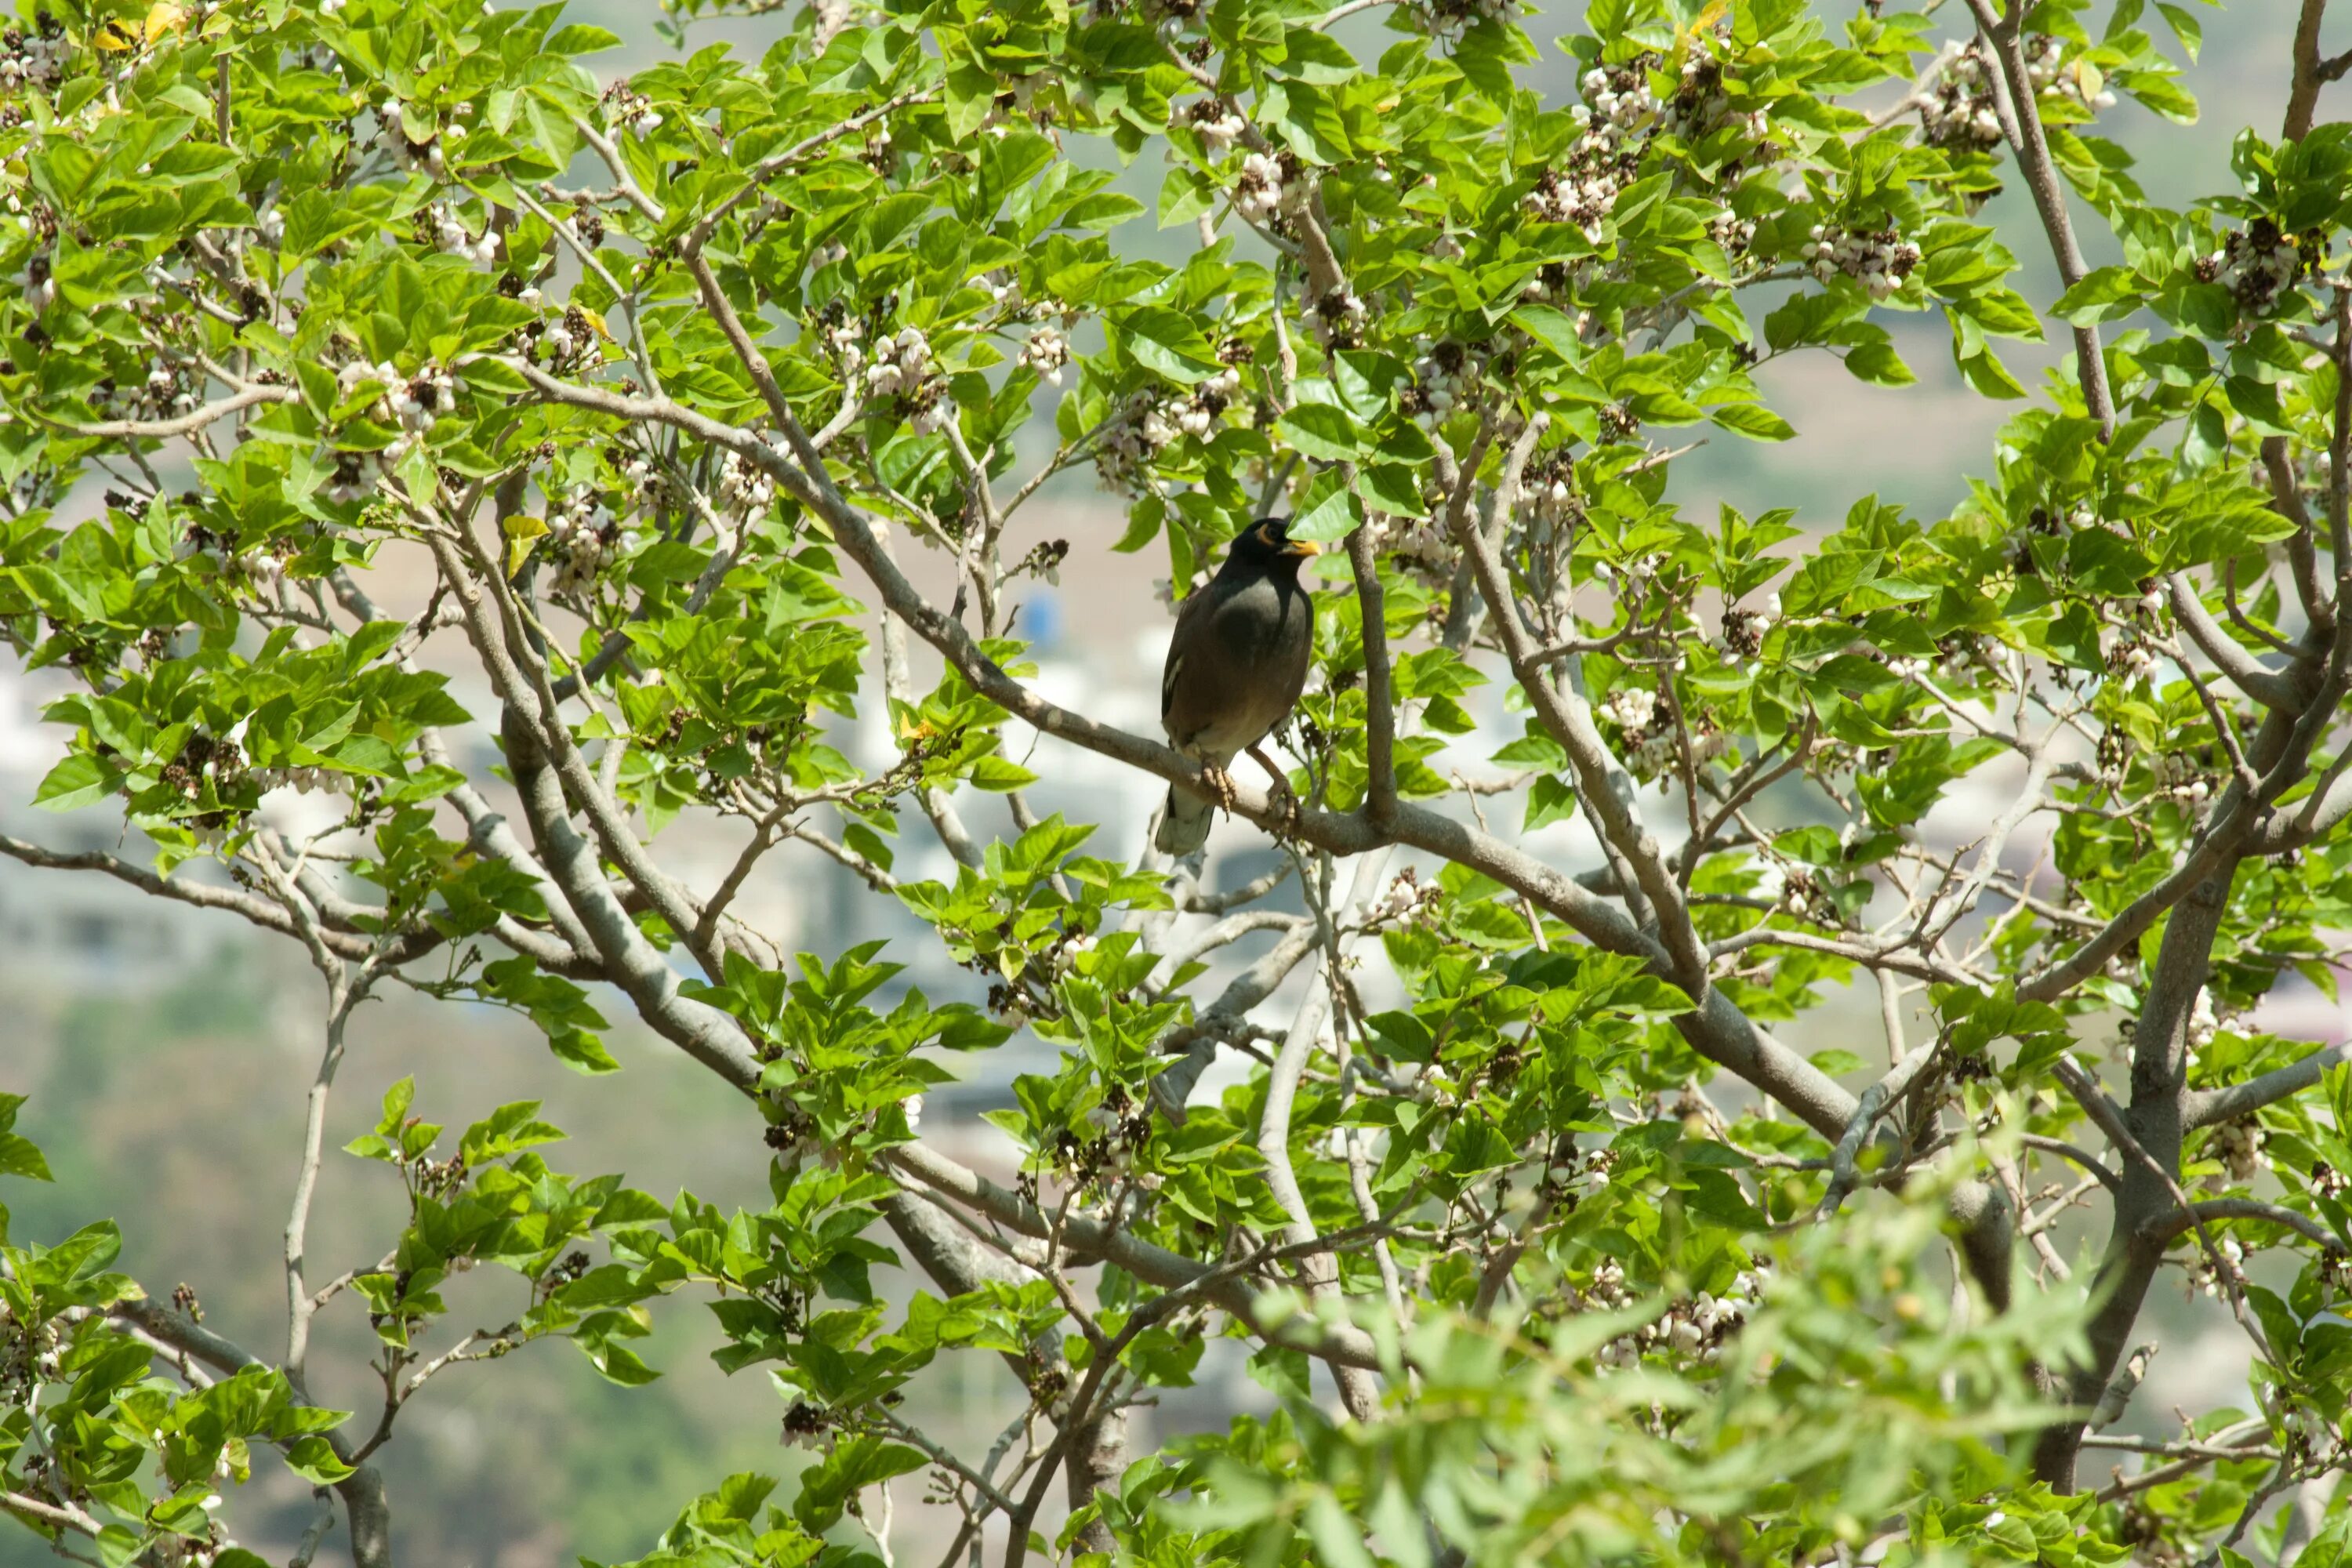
x,y
1167,343
1556,329
1392,487
2106,295
1330,512
314,1459
1322,430
998,774
1752,420
579,38
2185,28
80,780
18,1157
1879,364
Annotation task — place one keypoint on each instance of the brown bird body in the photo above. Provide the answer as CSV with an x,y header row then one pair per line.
x,y
1236,664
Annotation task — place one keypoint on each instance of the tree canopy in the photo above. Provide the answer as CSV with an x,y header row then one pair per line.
x,y
1551,1239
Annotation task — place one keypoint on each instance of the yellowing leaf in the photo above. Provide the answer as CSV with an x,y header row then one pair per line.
x,y
597,321
522,532
164,17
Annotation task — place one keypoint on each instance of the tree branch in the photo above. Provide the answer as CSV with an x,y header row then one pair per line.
x,y
364,1502
2013,98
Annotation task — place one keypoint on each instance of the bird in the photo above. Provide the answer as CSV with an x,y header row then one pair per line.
x,y
1236,664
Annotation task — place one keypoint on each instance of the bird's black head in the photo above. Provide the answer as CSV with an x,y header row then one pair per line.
x,y
1265,545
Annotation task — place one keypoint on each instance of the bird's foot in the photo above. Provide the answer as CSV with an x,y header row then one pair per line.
x,y
1220,785
1285,798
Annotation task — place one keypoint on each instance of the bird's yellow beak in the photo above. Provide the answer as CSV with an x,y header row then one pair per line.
x,y
1301,547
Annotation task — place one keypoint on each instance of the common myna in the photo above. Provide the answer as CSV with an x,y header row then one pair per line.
x,y
1235,668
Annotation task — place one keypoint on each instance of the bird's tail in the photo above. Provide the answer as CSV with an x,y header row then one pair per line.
x,y
1183,824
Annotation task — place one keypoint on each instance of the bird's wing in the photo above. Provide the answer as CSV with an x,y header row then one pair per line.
x,y
1192,621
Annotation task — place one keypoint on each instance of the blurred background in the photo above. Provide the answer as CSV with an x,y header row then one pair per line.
x,y
167,1051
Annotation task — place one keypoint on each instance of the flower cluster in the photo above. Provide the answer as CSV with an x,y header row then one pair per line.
x,y
1130,442
568,340
903,364
624,106
1631,708
1695,1329
427,157
2238,1145
1607,1292
1417,542
204,757
2259,264
1732,233
2328,1181
1214,121
1442,378
1744,630
2177,774
1879,259
356,476
301,781
1620,97
28,1356
2132,659
1585,192
1336,317
1003,286
2311,1434
1652,748
2047,70
1960,112
36,60
1157,418
1802,895
1095,1156
415,404
440,226
648,486
2222,1268
744,490
1550,487
1198,414
578,545
805,1425
1046,352
169,388
842,336
1407,901
1699,105
903,369
1452,19
261,570
40,280
1260,189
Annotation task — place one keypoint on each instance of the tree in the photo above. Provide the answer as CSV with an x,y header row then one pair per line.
x,y
1550,1248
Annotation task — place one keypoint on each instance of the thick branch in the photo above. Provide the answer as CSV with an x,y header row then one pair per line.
x,y
2210,1107
1569,720
2166,1228
2013,96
